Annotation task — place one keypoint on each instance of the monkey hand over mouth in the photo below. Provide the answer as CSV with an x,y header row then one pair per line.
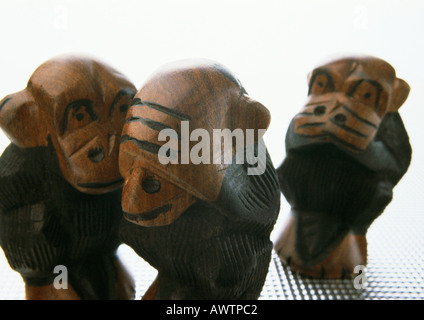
x,y
346,150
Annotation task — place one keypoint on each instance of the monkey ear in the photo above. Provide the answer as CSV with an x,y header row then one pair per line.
x,y
399,95
20,120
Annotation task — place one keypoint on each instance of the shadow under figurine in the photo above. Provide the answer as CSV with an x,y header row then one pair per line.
x,y
60,186
202,222
345,152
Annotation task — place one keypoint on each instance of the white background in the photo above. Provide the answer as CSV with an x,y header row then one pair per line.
x,y
269,45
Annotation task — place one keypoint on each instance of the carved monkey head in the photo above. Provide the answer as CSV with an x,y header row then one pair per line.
x,y
79,104
347,101
206,96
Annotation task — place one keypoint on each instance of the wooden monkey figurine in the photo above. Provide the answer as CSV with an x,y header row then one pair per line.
x,y
346,150
60,186
198,210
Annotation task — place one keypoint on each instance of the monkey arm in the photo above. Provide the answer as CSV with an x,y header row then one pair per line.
x,y
393,142
393,134
250,198
26,227
390,151
377,157
44,222
23,238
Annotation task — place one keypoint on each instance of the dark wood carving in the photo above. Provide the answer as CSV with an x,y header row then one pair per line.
x,y
345,152
204,226
60,186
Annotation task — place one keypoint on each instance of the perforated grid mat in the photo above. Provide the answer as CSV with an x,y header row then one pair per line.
x,y
395,268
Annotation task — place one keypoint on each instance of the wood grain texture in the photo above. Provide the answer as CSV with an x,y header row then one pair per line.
x,y
60,185
345,152
205,227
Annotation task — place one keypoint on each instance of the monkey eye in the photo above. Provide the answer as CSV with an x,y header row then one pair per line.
x,y
78,114
367,92
321,83
120,105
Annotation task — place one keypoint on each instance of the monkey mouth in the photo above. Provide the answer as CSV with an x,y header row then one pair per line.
x,y
99,185
148,216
